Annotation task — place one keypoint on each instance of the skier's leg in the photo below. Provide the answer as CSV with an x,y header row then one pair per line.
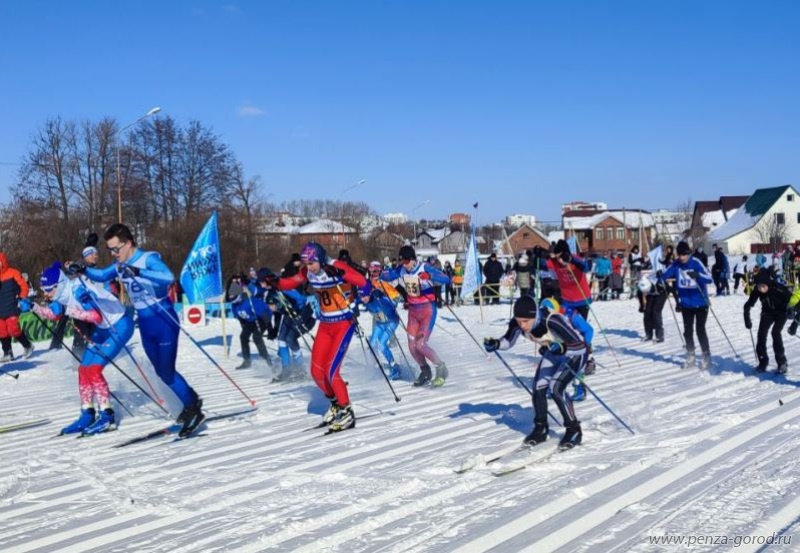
x,y
322,357
428,314
16,331
702,336
413,328
344,333
688,328
658,320
777,339
160,341
562,376
761,342
244,338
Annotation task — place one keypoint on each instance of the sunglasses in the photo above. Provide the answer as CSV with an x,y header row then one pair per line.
x,y
116,249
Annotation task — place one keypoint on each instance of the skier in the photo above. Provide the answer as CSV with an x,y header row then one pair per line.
x,y
296,318
740,273
112,328
523,271
336,326
775,299
585,329
248,306
146,279
564,354
418,280
384,323
691,278
12,289
654,296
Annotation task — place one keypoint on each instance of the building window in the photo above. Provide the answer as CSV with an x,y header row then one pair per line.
x,y
780,218
609,233
598,232
635,233
620,233
525,235
789,197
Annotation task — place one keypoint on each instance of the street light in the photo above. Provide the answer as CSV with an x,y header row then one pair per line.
x,y
341,206
152,111
426,202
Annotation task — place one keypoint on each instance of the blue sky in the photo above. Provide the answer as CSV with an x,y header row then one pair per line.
x,y
518,105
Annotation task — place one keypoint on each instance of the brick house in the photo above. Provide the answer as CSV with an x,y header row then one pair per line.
x,y
524,238
615,230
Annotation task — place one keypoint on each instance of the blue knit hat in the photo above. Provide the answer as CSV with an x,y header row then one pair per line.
x,y
51,277
313,252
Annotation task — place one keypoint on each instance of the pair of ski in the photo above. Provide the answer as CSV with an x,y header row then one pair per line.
x,y
23,425
329,430
511,459
176,428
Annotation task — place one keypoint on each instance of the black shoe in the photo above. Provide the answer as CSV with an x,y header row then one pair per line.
x,y
762,367
538,435
246,364
572,437
424,377
590,367
191,417
783,368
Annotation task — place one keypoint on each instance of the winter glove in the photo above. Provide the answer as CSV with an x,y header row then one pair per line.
x,y
332,271
793,328
566,257
491,344
272,333
748,324
424,276
641,309
128,271
553,349
693,274
83,296
24,305
75,267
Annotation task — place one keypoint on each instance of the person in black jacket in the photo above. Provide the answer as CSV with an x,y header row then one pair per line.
x,y
774,304
292,267
701,256
492,271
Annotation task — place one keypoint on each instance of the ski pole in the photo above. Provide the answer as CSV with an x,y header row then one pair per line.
x,y
675,318
467,331
375,355
705,297
522,383
12,375
296,318
394,335
172,319
78,359
752,341
603,403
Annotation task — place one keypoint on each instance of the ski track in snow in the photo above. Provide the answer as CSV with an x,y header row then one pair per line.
x,y
714,453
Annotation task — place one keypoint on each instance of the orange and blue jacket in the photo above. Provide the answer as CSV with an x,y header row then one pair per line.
x,y
12,288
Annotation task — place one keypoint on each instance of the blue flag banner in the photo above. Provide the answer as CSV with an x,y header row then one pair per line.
x,y
655,256
572,242
201,276
472,270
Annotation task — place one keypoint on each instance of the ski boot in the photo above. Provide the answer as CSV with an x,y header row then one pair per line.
x,y
590,367
84,421
572,436
7,358
705,362
579,393
690,360
537,435
394,372
424,376
104,423
28,352
783,368
646,339
344,419
191,417
441,375
330,414
762,367
246,364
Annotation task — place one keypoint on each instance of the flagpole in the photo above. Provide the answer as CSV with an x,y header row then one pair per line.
x,y
478,261
222,313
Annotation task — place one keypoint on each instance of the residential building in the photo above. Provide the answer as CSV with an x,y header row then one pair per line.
x,y
517,220
396,218
767,221
616,230
526,237
583,206
708,215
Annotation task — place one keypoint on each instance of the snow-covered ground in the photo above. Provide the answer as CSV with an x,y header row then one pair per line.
x,y
715,454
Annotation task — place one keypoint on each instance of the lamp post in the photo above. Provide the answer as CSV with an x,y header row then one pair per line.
x,y
152,111
426,202
341,206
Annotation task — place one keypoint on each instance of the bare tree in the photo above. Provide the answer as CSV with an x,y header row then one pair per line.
x,y
770,231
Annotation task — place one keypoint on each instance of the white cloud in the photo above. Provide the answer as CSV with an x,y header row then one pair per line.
x,y
249,110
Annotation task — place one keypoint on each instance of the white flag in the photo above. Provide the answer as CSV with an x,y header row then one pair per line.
x,y
472,270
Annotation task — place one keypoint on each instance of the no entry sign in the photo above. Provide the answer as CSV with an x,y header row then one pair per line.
x,y
196,315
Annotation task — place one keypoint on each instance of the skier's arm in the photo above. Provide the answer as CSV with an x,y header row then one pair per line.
x,y
89,315
106,274
350,275
298,298
156,270
51,311
23,286
795,299
703,276
436,275
390,275
579,263
513,332
568,336
292,282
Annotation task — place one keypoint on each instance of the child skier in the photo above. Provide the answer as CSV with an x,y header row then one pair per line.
x,y
249,307
295,313
418,280
384,323
564,354
691,278
336,326
113,327
775,299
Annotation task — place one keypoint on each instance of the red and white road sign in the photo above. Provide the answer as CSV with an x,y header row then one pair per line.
x,y
196,315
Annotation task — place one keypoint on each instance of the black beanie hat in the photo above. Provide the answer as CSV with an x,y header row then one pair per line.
x,y
763,277
683,248
407,253
561,247
525,308
264,273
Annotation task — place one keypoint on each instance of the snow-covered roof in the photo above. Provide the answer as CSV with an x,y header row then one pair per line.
x,y
739,222
324,226
713,219
631,219
437,234
747,216
555,235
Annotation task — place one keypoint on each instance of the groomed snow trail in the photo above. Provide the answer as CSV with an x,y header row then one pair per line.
x,y
715,453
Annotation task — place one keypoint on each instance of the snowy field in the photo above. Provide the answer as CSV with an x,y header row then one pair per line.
x,y
716,455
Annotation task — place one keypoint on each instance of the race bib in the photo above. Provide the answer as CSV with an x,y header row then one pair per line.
x,y
412,286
